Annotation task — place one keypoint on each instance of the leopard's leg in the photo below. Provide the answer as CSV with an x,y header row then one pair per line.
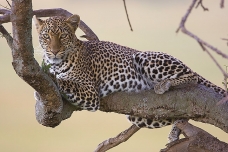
x,y
149,123
164,85
175,131
82,94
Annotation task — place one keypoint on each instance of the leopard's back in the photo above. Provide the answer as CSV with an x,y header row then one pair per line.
x,y
111,67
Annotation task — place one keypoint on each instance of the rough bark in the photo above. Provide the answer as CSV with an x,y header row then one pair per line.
x,y
25,64
197,140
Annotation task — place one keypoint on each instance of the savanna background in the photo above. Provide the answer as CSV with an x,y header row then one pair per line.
x,y
154,23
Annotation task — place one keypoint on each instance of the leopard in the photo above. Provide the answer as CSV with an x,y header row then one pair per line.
x,y
87,71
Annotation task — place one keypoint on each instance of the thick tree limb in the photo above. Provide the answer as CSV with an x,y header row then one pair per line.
x,y
24,63
194,102
197,140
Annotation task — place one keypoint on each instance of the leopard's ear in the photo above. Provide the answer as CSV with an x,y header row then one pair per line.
x,y
38,22
73,21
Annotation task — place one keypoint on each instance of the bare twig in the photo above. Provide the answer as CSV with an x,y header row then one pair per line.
x,y
201,4
184,30
222,4
5,7
112,142
224,39
125,7
225,79
7,36
184,18
8,3
225,86
221,69
215,61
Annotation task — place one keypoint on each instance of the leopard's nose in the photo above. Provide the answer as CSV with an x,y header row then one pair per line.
x,y
55,51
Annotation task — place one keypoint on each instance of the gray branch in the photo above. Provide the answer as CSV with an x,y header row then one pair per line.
x,y
90,35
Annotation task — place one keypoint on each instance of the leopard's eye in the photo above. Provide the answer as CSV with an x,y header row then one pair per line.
x,y
46,36
63,36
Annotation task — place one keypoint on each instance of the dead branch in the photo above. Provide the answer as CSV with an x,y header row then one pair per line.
x,y
222,4
7,36
120,138
196,140
193,102
200,2
5,18
4,7
8,3
215,61
125,7
184,30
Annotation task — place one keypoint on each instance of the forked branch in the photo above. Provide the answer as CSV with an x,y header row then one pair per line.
x,y
184,30
5,18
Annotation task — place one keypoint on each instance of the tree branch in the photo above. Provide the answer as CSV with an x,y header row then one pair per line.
x,y
196,140
120,138
193,102
90,35
184,30
24,63
7,36
200,2
125,7
222,4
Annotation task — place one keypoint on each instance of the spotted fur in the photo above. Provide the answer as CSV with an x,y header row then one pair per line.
x,y
87,71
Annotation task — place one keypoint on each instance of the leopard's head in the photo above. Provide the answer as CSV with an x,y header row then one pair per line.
x,y
57,36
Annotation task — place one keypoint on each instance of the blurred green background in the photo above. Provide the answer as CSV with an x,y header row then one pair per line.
x,y
154,23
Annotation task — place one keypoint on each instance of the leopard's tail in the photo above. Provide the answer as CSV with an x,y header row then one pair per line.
x,y
209,84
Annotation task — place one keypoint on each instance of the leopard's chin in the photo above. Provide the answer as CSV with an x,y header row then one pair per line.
x,y
56,60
